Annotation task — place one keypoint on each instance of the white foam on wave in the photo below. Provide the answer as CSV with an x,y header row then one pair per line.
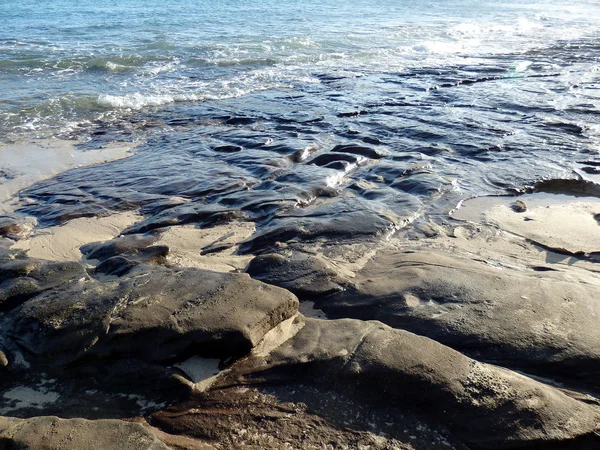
x,y
438,47
114,67
138,100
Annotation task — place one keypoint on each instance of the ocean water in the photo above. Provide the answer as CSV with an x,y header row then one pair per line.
x,y
242,103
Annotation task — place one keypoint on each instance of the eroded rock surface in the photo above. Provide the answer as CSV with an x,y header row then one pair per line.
x,y
122,244
244,418
481,405
155,314
540,321
305,276
41,433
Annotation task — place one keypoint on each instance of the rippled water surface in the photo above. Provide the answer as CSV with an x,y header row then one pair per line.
x,y
388,109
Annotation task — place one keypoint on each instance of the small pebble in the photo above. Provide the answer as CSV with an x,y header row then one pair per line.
x,y
3,360
519,206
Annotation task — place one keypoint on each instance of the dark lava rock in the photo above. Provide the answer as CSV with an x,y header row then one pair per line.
x,y
540,322
156,314
306,276
42,433
481,405
121,244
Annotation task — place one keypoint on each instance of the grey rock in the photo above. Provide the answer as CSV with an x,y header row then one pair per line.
x,y
482,405
519,206
306,276
154,315
542,322
23,278
119,265
121,244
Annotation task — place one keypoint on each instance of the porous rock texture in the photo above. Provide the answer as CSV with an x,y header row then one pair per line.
x,y
481,405
542,321
136,337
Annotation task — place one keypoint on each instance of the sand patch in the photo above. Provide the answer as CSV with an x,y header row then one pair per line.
x,y
24,163
564,223
187,244
307,309
61,243
278,335
202,371
567,227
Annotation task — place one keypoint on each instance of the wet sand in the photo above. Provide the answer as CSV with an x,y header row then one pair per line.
x,y
24,163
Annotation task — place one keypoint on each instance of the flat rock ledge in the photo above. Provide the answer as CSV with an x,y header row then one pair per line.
x,y
422,350
479,405
41,433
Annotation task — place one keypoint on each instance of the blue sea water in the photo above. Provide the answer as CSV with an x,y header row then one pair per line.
x,y
459,96
66,62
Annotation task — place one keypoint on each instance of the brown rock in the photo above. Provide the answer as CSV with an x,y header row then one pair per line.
x,y
483,406
42,433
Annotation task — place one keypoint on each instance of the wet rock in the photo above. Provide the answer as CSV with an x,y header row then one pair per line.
x,y
156,314
348,220
355,149
575,187
205,215
353,113
305,276
540,322
228,148
481,405
422,184
119,265
591,170
329,158
519,206
15,227
23,278
40,433
240,121
341,166
121,244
